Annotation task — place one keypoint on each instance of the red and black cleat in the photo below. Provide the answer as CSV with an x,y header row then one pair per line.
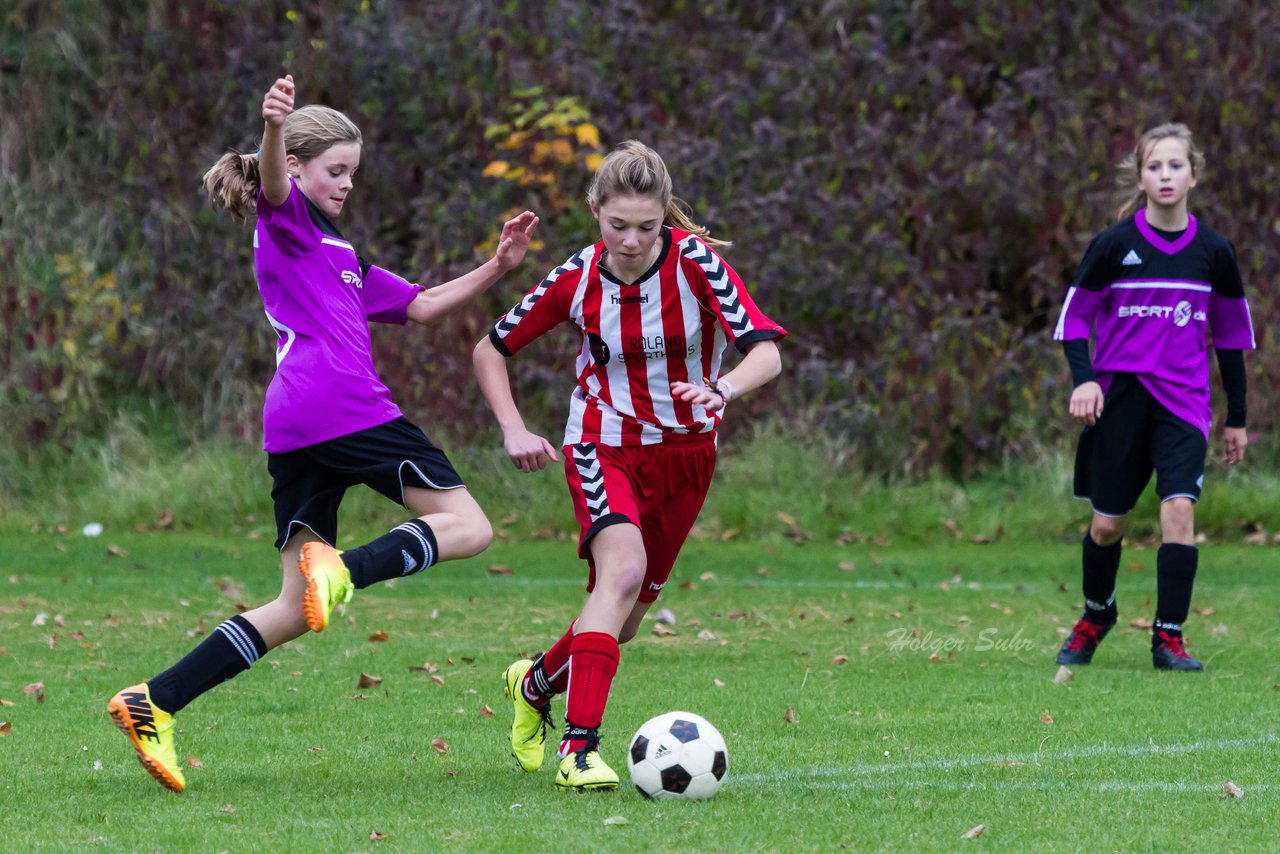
x,y
1080,645
1168,654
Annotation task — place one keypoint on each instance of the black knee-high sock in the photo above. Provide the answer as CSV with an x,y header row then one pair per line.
x,y
228,651
403,550
1175,576
1100,565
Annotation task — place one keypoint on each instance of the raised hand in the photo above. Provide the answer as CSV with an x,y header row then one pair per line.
x,y
278,102
514,240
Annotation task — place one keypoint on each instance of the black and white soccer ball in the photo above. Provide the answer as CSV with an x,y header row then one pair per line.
x,y
677,755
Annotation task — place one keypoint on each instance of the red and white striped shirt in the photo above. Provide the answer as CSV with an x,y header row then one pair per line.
x,y
637,339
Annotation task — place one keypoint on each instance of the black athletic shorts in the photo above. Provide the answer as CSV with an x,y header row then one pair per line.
x,y
308,483
1135,436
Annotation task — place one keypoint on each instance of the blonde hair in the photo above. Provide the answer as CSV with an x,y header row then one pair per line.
x,y
1131,167
233,182
635,169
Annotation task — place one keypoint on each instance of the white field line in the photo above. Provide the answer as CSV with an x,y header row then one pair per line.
x,y
844,774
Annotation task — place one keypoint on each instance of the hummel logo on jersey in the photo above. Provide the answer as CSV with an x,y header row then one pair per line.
x,y
409,563
1131,260
351,277
639,299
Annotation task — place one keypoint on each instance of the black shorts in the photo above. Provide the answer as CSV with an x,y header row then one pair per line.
x,y
308,483
1135,436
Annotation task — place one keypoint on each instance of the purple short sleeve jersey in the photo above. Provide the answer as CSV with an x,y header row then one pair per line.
x,y
319,297
1150,296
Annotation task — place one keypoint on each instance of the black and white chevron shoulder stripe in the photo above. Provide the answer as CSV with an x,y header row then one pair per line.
x,y
509,320
721,285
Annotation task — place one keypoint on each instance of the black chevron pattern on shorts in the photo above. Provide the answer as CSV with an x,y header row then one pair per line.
x,y
592,478
721,285
509,320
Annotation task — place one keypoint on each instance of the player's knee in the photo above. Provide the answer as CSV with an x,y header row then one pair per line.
x,y
1106,530
471,535
1177,515
624,581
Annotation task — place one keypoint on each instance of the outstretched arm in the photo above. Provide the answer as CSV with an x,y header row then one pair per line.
x,y
276,104
528,451
762,363
436,302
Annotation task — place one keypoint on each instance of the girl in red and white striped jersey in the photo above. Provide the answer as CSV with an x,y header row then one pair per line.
x,y
656,306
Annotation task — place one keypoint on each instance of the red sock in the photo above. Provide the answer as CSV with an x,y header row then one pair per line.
x,y
593,661
550,672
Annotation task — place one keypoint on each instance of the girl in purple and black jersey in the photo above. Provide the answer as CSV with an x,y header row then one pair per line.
x,y
1148,289
329,423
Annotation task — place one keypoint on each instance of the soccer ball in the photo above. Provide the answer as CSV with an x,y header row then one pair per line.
x,y
677,755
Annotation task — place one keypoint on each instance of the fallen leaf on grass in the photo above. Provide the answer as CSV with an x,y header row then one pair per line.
x,y
1232,790
228,808
4,702
1205,612
790,716
1218,629
41,619
115,551
936,659
440,745
354,696
1140,623
368,680
500,569
662,631
485,711
97,765
706,634
1046,719
1064,674
36,688
840,659
437,680
379,637
973,832
5,727
377,836
707,576
451,773
428,667
613,820
847,566
719,683
194,762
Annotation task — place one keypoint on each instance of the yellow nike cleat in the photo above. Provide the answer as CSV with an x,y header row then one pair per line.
x,y
150,730
529,728
328,583
584,771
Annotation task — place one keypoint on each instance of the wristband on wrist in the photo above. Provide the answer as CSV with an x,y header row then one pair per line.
x,y
723,388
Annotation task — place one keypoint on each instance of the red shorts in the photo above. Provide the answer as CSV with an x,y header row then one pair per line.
x,y
657,488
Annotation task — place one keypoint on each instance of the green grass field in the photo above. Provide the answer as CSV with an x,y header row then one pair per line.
x,y
944,715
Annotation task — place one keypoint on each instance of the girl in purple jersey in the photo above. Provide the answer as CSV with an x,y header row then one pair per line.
x,y
328,421
1148,289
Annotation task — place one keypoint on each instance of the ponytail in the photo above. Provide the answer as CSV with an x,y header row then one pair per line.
x,y
635,169
232,184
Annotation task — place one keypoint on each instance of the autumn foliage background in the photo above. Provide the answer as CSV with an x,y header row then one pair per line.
x,y
908,185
